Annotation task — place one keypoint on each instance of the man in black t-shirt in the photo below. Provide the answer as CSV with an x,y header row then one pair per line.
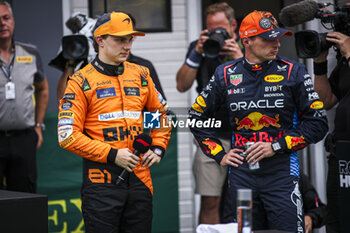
x,y
332,91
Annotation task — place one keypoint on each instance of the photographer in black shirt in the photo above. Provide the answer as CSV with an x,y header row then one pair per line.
x,y
332,91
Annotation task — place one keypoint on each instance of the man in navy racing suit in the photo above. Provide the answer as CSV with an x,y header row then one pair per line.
x,y
271,102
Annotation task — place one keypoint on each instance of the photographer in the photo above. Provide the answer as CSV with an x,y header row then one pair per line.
x,y
209,176
334,90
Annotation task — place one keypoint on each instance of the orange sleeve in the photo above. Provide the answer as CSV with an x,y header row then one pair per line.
x,y
156,102
73,109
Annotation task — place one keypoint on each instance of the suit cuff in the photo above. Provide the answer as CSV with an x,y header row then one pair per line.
x,y
219,156
112,155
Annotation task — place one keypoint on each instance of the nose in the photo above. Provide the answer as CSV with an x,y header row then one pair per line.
x,y
276,43
127,45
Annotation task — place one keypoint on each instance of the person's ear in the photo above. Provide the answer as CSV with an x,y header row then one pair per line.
x,y
234,24
245,41
99,40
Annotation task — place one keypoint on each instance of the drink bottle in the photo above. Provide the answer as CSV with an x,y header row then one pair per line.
x,y
251,165
244,210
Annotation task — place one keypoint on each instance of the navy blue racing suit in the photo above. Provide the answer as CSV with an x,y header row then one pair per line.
x,y
270,102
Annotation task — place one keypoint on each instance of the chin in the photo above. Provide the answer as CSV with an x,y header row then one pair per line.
x,y
272,57
120,60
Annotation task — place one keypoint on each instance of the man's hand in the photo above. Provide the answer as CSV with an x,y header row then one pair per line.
x,y
202,38
232,158
39,132
258,151
341,41
126,159
308,223
231,48
150,158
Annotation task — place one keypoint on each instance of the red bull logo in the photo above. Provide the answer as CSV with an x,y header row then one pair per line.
x,y
256,67
197,108
241,140
293,142
257,121
212,146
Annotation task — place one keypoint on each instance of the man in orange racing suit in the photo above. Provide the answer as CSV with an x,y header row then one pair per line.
x,y
99,117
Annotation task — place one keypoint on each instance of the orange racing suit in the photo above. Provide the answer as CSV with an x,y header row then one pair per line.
x,y
100,113
105,113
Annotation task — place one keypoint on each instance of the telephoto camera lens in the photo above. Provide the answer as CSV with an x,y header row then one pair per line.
x,y
213,45
75,47
310,43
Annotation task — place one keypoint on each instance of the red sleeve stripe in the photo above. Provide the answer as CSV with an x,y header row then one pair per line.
x,y
290,67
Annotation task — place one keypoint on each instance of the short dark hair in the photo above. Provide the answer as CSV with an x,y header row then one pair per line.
x,y
95,45
221,7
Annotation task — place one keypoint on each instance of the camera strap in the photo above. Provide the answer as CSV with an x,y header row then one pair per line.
x,y
7,72
203,75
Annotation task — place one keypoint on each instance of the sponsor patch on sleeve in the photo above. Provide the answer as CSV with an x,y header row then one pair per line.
x,y
197,108
161,99
201,101
66,114
295,142
212,147
69,96
66,105
64,132
67,142
65,122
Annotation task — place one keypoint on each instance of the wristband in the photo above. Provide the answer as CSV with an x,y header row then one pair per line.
x,y
193,59
320,68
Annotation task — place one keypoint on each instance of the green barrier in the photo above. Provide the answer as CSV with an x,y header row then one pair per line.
x,y
60,177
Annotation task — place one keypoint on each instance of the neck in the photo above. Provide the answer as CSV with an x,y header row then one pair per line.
x,y
5,49
5,45
104,59
253,59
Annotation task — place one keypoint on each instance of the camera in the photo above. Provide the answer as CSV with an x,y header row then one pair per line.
x,y
78,46
213,45
310,43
